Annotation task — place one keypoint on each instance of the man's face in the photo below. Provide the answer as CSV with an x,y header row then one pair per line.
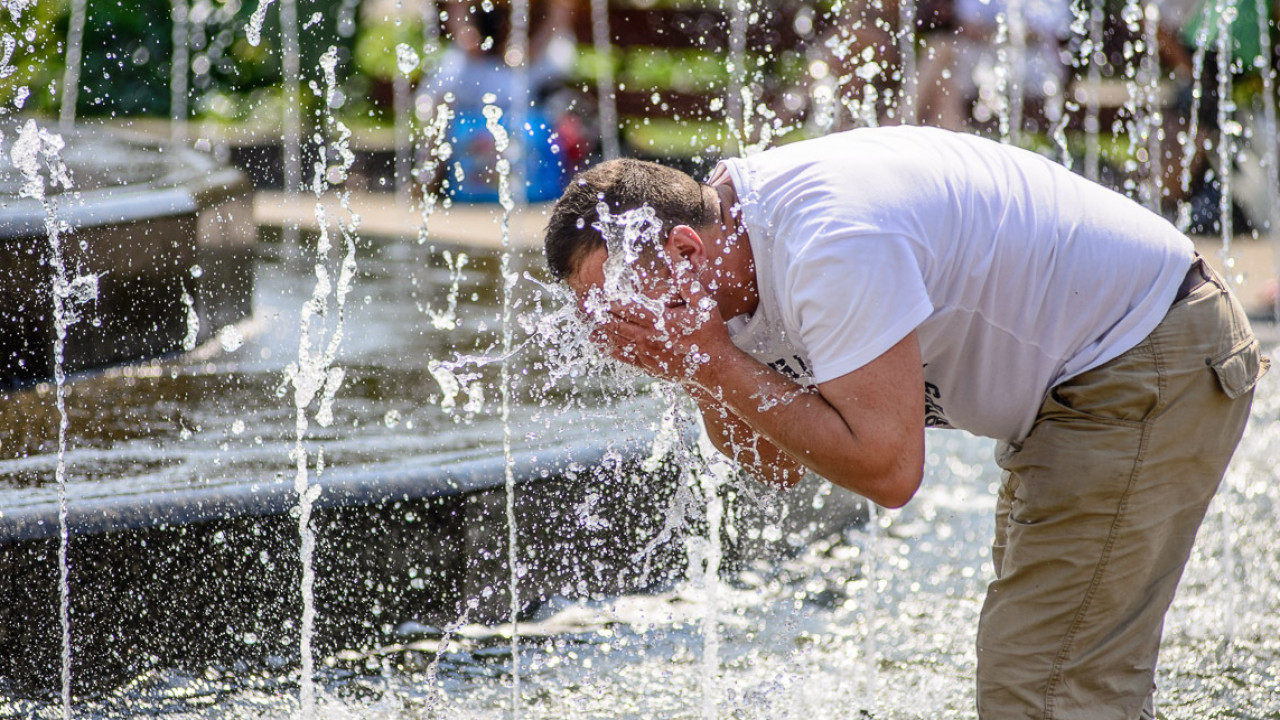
x,y
653,282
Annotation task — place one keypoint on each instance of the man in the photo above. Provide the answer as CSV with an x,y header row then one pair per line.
x,y
824,301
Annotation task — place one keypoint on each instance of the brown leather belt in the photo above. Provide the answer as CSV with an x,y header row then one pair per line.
x,y
1196,276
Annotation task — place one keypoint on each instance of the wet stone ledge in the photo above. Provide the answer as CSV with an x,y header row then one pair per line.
x,y
165,231
211,577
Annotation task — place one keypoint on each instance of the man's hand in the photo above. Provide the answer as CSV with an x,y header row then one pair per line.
x,y
863,431
689,334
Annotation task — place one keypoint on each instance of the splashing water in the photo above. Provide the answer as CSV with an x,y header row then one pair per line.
x,y
407,61
447,318
17,7
626,236
35,153
193,322
253,31
719,691
71,73
505,149
705,556
437,151
1228,130
314,374
607,91
178,72
1094,50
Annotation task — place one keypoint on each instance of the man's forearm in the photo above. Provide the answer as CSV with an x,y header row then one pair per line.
x,y
740,442
863,453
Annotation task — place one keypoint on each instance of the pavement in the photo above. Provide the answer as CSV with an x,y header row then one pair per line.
x,y
1254,270
1252,261
383,215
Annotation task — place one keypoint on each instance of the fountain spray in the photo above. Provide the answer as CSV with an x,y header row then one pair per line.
x,y
178,73
71,75
314,374
33,148
502,144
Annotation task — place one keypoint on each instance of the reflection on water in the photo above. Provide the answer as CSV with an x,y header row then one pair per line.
x,y
221,414
873,623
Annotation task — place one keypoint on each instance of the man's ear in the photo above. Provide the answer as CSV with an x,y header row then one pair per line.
x,y
685,242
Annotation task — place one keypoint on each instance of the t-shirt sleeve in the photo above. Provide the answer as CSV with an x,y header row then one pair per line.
x,y
852,298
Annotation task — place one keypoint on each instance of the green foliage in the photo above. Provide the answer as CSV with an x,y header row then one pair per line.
x,y
127,47
128,51
36,59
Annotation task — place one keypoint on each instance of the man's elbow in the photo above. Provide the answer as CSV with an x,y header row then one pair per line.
x,y
898,491
891,489
899,471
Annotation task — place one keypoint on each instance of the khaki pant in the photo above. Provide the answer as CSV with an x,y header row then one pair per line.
x,y
1099,509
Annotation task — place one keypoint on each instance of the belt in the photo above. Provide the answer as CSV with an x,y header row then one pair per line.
x,y
1196,276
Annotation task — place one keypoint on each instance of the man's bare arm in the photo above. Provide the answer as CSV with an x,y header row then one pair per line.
x,y
863,431
739,441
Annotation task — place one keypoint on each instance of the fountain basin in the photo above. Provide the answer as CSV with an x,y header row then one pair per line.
x,y
210,577
167,231
184,547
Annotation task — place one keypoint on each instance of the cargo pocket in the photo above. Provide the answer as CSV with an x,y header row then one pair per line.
x,y
1240,368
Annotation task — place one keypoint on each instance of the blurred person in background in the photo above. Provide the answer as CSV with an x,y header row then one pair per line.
x,y
960,65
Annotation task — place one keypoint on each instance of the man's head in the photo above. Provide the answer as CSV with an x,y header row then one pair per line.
x,y
622,185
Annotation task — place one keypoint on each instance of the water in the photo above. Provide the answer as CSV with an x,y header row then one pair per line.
x,y
507,152
181,67
608,110
862,622
802,637
1094,51
71,76
1228,128
36,154
174,423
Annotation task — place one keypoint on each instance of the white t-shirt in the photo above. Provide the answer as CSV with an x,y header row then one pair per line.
x,y
1015,273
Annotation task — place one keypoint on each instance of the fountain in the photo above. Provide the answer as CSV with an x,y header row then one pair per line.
x,y
166,230
397,489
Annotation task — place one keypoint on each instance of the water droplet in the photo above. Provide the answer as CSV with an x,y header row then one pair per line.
x,y
230,338
406,59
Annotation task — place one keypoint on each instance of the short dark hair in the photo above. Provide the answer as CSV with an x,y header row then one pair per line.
x,y
623,185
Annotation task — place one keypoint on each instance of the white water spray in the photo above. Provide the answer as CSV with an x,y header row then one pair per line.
x,y
437,151
1153,115
71,74
606,88
626,235
315,375
502,144
36,152
1191,142
1228,129
704,557
1093,50
179,70
407,62
290,63
909,94
738,92
253,31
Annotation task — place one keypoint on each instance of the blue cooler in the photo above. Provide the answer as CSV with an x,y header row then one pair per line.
x,y
473,149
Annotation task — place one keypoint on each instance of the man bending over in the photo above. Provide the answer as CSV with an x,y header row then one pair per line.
x,y
824,301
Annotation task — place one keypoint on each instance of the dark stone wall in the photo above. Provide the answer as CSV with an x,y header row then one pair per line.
x,y
144,267
226,591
